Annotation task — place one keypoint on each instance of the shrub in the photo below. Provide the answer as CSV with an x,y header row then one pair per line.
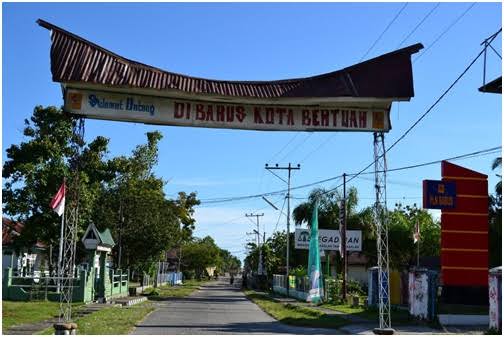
x,y
354,288
299,271
151,292
189,274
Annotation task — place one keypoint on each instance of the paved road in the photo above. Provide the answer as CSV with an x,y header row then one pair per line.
x,y
215,309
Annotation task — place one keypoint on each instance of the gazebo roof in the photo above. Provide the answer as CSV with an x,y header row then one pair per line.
x,y
79,62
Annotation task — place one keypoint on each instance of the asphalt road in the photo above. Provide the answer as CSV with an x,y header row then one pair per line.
x,y
217,308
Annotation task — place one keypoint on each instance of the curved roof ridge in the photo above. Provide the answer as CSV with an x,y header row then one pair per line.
x,y
75,59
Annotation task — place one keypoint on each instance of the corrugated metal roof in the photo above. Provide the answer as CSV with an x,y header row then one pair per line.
x,y
494,86
76,60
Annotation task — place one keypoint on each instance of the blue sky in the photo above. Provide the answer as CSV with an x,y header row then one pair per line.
x,y
267,42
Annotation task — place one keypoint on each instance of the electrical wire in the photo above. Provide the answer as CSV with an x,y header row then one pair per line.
x,y
453,23
352,175
384,31
428,110
279,216
418,25
297,147
318,147
283,148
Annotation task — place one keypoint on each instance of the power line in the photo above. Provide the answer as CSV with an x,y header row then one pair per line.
x,y
418,25
384,31
429,109
280,215
318,147
390,147
297,147
463,156
283,148
453,23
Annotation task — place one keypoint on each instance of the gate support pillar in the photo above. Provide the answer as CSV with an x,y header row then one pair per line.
x,y
380,219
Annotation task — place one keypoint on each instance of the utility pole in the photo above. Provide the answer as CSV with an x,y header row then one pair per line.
x,y
344,240
260,265
289,169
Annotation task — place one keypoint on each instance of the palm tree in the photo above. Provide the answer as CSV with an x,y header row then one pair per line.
x,y
497,163
329,208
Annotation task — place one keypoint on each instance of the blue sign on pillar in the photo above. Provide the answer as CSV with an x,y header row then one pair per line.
x,y
439,194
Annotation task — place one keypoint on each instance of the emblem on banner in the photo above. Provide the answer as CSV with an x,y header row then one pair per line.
x,y
378,120
75,100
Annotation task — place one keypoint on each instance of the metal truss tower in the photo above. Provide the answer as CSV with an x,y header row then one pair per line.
x,y
380,217
68,273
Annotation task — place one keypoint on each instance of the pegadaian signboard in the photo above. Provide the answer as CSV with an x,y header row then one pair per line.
x,y
329,239
210,114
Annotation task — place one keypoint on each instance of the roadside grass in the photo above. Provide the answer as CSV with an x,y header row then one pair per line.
x,y
167,291
398,316
20,312
294,315
461,309
110,321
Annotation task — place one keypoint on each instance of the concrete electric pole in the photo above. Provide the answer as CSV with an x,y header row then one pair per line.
x,y
289,169
260,269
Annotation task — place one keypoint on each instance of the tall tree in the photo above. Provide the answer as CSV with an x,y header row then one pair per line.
x,y
495,220
200,254
35,170
328,209
152,223
401,222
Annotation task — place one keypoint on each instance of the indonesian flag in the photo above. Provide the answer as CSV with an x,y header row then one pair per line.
x,y
58,201
416,233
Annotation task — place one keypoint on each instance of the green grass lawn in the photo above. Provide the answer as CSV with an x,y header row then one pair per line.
x,y
166,291
398,316
110,321
17,312
294,315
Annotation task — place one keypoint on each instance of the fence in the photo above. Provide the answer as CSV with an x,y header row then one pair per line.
x,y
167,277
37,287
119,283
171,278
299,287
43,286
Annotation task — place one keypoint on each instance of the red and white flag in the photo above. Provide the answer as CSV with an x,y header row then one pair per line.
x,y
416,233
58,201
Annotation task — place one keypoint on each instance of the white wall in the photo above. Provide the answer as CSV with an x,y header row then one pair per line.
x,y
358,273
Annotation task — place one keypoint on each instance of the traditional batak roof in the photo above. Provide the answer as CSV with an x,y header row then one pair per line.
x,y
12,229
494,86
75,60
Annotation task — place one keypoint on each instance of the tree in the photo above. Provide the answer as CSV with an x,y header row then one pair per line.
x,y
228,263
35,170
151,222
200,254
495,220
401,223
329,205
497,164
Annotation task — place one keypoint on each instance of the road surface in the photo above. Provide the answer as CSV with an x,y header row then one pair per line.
x,y
217,308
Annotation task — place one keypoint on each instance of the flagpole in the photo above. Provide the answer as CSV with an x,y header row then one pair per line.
x,y
60,254
62,232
